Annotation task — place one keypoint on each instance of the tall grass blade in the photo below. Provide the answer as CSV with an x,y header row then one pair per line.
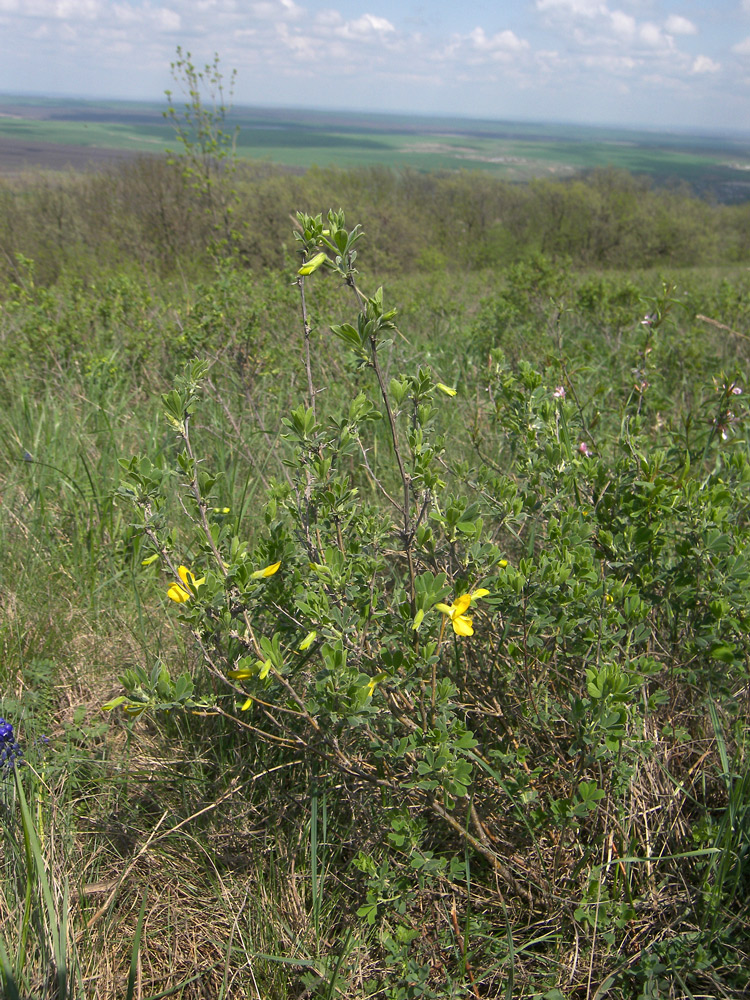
x,y
315,884
136,949
57,931
10,986
344,954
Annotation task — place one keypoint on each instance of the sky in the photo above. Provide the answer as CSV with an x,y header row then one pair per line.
x,y
652,63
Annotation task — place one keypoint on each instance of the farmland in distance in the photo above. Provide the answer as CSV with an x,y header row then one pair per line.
x,y
60,134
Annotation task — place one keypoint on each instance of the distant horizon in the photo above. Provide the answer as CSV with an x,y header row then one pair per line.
x,y
155,103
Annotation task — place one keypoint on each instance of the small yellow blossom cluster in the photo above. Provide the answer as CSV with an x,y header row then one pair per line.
x,y
184,591
181,592
461,622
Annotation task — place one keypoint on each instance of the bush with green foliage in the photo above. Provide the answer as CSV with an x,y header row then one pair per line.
x,y
493,643
163,212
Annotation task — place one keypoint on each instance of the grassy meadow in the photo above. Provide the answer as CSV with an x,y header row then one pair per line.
x,y
366,654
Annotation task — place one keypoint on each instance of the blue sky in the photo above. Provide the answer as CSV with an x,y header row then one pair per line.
x,y
629,62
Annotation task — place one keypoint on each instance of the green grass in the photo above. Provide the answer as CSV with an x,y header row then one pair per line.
x,y
180,853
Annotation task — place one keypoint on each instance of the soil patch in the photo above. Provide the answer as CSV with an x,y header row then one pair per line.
x,y
18,157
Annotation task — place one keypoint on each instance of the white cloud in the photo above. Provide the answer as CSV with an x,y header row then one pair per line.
x,y
71,10
581,8
167,20
125,14
302,46
271,10
327,38
703,64
742,48
328,18
478,48
591,26
159,18
677,25
370,24
623,24
613,64
95,11
502,42
652,35
64,10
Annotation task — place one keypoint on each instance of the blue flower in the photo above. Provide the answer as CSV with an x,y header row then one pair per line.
x,y
10,751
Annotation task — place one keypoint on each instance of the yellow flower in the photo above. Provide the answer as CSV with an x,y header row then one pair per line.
x,y
457,614
308,641
446,389
373,683
182,593
265,669
313,264
462,624
266,571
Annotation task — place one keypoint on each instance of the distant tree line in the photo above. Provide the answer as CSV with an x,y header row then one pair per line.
x,y
149,212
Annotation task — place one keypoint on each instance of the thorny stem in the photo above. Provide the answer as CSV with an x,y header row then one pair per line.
x,y
162,550
579,406
200,502
307,330
280,677
434,667
394,435
305,515
482,849
375,480
408,529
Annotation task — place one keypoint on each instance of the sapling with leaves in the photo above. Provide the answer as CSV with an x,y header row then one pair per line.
x,y
208,146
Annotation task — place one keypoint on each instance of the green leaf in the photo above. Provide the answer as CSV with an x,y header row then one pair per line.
x,y
369,911
115,703
724,651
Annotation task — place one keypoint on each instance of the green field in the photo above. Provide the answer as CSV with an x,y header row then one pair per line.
x,y
300,139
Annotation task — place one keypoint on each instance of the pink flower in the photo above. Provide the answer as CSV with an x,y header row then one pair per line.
x,y
559,392
583,448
